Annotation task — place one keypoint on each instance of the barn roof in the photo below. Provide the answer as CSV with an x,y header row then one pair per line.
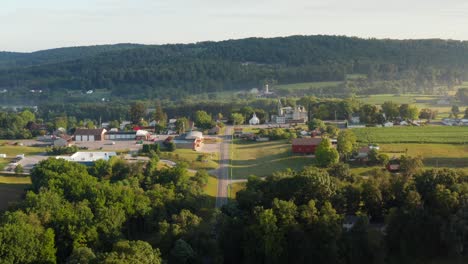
x,y
306,141
90,132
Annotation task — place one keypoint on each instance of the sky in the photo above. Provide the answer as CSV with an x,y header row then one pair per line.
x,y
31,25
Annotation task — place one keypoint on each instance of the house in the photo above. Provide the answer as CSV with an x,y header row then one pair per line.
x,y
363,152
305,145
63,141
289,115
215,130
142,135
194,135
393,165
254,120
388,124
124,124
90,134
88,158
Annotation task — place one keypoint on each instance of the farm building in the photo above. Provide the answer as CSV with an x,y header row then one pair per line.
x,y
90,134
120,135
63,141
194,135
305,145
88,158
142,135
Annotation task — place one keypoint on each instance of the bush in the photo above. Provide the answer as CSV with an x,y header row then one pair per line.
x,y
19,169
61,150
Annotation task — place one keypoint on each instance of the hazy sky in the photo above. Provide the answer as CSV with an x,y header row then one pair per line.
x,y
28,25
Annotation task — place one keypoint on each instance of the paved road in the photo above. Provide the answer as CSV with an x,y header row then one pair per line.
x,y
223,170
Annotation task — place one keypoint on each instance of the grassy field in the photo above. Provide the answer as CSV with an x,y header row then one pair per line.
x,y
434,155
192,158
264,158
427,134
211,188
8,147
11,150
235,187
307,85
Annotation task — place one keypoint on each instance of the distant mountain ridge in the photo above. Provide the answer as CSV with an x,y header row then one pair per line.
x,y
25,59
175,70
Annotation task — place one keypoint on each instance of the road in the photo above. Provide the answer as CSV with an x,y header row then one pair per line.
x,y
223,170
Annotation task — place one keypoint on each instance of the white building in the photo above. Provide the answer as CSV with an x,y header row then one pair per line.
x,y
254,120
290,114
88,157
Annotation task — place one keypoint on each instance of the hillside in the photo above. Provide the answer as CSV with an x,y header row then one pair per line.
x,y
173,71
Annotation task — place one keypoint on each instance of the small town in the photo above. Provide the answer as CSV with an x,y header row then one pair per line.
x,y
212,132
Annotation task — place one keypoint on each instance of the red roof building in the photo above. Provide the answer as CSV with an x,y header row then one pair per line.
x,y
305,145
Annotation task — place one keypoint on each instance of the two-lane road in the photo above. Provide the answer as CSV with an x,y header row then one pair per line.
x,y
223,170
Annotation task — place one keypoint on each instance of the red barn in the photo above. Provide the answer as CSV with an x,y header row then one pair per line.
x,y
305,145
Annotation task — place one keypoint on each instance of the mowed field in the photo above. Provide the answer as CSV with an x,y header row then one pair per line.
x,y
425,134
195,160
434,155
11,150
264,158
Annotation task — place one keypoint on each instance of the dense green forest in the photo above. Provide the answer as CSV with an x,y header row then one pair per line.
x,y
174,71
119,212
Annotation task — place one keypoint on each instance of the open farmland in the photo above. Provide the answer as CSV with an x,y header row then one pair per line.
x,y
264,158
434,155
426,134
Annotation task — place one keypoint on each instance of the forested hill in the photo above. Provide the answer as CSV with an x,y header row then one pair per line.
x,y
180,69
18,59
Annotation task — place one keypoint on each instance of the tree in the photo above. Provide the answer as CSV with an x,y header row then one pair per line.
x,y
237,119
410,165
427,113
159,114
24,240
316,124
368,114
346,143
181,125
391,110
203,120
408,112
325,154
466,113
182,252
139,252
455,111
332,131
137,112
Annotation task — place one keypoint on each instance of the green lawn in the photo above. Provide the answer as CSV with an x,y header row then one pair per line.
x,y
8,147
235,187
12,179
264,158
211,189
192,158
426,134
